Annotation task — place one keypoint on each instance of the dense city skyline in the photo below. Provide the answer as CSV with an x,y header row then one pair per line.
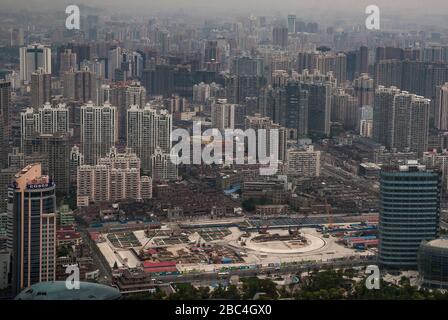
x,y
416,11
223,150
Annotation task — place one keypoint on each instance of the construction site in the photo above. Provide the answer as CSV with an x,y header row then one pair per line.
x,y
293,236
220,245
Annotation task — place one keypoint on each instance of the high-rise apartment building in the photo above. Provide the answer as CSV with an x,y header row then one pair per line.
x,y
104,94
319,88
292,23
83,51
340,67
382,114
76,159
441,107
146,187
438,160
98,131
307,61
33,57
223,114
16,159
55,146
67,61
401,120
47,119
122,96
17,37
366,122
6,177
247,66
114,59
147,129
435,53
201,92
133,94
293,109
2,145
212,53
363,65
159,80
162,166
178,105
80,85
389,73
40,88
258,122
5,102
364,90
388,53
5,106
333,62
344,109
97,65
413,77
238,88
280,37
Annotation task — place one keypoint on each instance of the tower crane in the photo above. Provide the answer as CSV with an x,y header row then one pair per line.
x,y
149,240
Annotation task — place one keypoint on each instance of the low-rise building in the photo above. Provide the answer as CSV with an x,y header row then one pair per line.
x,y
303,162
369,170
271,210
271,190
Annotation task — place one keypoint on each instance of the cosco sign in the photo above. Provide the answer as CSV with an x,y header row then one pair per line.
x,y
38,186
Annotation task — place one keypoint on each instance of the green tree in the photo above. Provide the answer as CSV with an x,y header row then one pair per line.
x,y
254,285
231,292
250,204
63,251
185,291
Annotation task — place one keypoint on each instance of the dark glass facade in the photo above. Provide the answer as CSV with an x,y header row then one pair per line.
x,y
433,263
409,214
27,208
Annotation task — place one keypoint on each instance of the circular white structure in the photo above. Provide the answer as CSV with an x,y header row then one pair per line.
x,y
285,247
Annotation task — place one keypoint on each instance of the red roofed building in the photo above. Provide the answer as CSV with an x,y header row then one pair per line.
x,y
95,236
67,236
157,267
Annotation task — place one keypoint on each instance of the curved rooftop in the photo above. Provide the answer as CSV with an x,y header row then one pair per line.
x,y
57,290
438,243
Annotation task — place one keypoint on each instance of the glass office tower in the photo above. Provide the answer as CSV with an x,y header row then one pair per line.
x,y
32,209
409,212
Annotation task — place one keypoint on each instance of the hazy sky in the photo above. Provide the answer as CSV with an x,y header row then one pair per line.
x,y
403,8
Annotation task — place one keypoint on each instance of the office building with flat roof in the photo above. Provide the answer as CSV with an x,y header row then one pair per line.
x,y
409,212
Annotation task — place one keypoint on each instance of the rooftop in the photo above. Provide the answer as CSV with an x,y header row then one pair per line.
x,y
438,243
149,264
57,290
